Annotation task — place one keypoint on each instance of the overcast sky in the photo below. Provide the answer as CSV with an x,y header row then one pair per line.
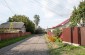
x,y
52,12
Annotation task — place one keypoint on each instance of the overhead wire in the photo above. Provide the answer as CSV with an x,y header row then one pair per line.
x,y
50,9
8,6
61,15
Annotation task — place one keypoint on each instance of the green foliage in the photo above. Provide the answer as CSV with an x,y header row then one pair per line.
x,y
58,40
78,14
30,26
7,42
39,30
57,32
66,49
36,20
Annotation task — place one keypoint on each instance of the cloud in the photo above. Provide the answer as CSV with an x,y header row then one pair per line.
x,y
47,12
61,8
52,12
4,12
58,10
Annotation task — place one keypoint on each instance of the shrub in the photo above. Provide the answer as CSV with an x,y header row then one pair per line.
x,y
39,30
57,32
52,39
58,40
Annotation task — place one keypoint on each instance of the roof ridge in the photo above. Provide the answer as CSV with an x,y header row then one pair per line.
x,y
62,23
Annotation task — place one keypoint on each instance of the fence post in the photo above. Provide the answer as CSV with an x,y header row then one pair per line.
x,y
79,36
72,34
0,37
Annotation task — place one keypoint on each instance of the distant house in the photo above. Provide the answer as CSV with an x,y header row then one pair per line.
x,y
12,27
61,25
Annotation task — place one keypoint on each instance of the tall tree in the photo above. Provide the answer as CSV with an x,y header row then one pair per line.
x,y
36,20
82,10
30,26
78,14
74,17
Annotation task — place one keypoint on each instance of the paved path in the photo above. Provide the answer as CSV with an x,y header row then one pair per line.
x,y
30,46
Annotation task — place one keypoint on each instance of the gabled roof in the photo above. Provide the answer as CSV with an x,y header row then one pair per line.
x,y
13,24
63,23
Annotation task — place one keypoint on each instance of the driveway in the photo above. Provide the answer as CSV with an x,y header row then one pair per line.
x,y
35,45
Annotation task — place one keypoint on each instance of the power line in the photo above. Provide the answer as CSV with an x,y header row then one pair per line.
x,y
61,15
8,6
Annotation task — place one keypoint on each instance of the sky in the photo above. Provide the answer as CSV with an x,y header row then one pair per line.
x,y
51,12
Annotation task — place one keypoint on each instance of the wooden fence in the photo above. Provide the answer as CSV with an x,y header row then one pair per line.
x,y
4,36
74,35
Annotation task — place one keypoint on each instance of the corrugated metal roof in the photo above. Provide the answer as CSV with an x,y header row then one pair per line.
x,y
13,24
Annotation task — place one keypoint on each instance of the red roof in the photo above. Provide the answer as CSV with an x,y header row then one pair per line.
x,y
63,23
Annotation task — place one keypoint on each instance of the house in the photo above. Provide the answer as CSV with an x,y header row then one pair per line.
x,y
61,25
12,27
49,29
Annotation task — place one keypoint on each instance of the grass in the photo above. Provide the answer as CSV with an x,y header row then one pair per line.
x,y
65,49
7,42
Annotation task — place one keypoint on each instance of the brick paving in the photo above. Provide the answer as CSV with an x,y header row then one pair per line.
x,y
30,46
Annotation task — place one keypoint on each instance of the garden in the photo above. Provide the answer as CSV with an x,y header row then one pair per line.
x,y
56,47
54,39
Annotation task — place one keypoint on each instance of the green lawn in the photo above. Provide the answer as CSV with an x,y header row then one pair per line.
x,y
11,41
65,49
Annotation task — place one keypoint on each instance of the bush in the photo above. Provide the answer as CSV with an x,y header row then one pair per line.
x,y
52,39
39,30
58,40
57,32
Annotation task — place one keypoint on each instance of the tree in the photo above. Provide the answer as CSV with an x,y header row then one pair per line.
x,y
74,17
30,26
36,20
82,10
39,30
78,14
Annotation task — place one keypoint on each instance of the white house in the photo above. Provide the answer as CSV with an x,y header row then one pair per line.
x,y
61,25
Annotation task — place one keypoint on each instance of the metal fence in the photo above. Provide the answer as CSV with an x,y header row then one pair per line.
x,y
74,35
4,36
